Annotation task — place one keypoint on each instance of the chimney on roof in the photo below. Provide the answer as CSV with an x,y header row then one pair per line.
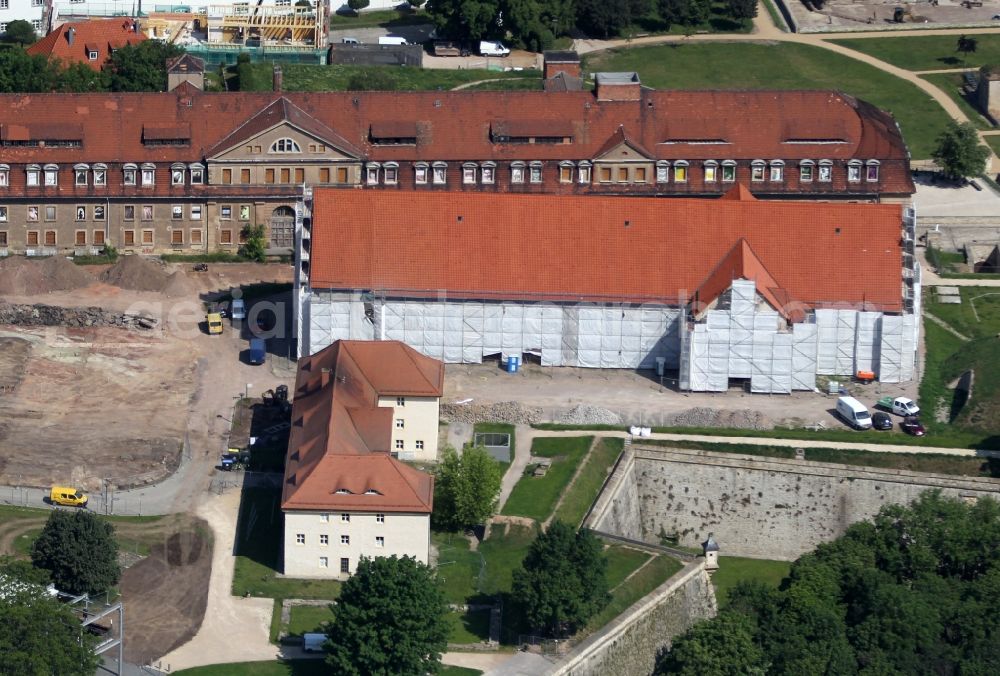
x,y
276,78
70,35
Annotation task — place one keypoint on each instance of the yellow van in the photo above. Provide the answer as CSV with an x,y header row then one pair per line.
x,y
214,320
68,497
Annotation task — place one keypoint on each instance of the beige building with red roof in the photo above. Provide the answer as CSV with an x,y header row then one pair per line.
x,y
770,293
359,406
89,42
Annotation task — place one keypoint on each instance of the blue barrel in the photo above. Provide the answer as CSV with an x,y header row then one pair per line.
x,y
513,363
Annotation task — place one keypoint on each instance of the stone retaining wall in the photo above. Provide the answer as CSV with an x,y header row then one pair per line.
x,y
48,315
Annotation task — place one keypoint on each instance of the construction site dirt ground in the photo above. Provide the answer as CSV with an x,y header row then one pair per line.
x,y
78,405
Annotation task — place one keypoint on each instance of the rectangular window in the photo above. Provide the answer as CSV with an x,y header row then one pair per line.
x,y
341,174
640,175
400,401
853,173
50,213
195,236
176,236
80,176
195,212
324,518
245,176
420,175
565,174
177,176
32,213
710,173
3,214
324,175
324,539
345,518
379,541
227,176
777,172
517,174
286,175
380,518
324,562
99,212
225,236
757,172
440,175
622,175
100,177
300,176
871,172
662,174
3,238
806,173
147,212
129,238
468,175
535,176
371,175
32,177
98,238
400,423
420,444
825,173
605,175
177,211
680,174
147,236
244,212
225,212
50,238
51,177
128,212
32,238
345,566
489,174
129,177
300,538
392,175
4,178
81,238
584,174
269,176
345,539
81,213
399,444
197,176
148,176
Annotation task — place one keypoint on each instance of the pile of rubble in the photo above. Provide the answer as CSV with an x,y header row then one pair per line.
x,y
585,414
48,315
509,412
743,419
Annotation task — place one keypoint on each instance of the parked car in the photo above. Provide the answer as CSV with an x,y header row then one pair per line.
x,y
239,309
903,406
881,421
911,425
350,41
854,413
258,351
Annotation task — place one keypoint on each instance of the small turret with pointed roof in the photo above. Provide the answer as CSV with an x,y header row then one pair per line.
x,y
711,549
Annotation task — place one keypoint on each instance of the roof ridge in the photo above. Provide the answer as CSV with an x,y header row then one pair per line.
x,y
398,467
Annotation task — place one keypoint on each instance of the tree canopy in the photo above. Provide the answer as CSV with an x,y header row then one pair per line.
x,y
40,635
20,32
79,551
959,152
141,67
388,620
254,244
910,592
562,581
466,488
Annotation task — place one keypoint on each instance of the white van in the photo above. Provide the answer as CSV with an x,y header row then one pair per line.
x,y
350,41
390,40
491,48
854,413
313,643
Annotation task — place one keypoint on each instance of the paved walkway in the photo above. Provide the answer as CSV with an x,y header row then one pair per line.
x,y
524,436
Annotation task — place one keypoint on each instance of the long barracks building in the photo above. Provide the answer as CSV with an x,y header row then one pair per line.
x,y
185,170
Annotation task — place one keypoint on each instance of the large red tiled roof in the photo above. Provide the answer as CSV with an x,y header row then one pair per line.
x,y
338,449
100,35
550,247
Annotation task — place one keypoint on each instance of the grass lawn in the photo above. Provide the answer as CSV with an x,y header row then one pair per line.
x,y
535,497
642,583
469,627
458,568
258,549
308,619
466,575
927,52
509,84
385,18
583,492
951,84
945,261
314,78
622,562
718,22
994,143
733,569
289,668
781,66
503,554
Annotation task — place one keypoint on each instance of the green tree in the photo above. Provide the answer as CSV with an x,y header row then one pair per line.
x,y
465,19
23,73
966,45
79,77
604,18
685,12
959,152
716,649
20,32
561,583
254,244
141,67
388,620
80,552
358,5
23,570
40,635
466,488
415,4
741,9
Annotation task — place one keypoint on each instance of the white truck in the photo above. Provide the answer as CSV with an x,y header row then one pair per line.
x,y
903,406
493,48
392,40
854,413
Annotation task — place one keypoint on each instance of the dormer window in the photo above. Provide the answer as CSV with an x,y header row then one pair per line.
x,y
854,171
80,172
517,172
728,171
711,171
825,171
662,172
806,171
420,173
100,174
33,175
680,171
871,170
468,173
489,170
440,173
177,174
197,174
371,173
285,145
342,491
535,173
148,174
372,491
4,175
129,172
777,170
92,55
584,171
51,173
757,168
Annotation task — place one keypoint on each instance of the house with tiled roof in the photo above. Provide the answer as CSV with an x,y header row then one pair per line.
x,y
88,42
358,408
185,171
725,292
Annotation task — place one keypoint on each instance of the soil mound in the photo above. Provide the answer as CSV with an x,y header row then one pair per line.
x,y
24,276
178,285
138,274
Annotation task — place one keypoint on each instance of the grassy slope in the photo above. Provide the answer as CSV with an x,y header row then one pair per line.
x,y
313,78
640,584
290,668
927,52
535,497
307,619
782,66
951,84
584,490
733,569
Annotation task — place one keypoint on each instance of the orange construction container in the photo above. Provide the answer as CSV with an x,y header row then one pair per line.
x,y
866,376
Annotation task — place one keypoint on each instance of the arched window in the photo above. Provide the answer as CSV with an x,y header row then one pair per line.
x,y
285,145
